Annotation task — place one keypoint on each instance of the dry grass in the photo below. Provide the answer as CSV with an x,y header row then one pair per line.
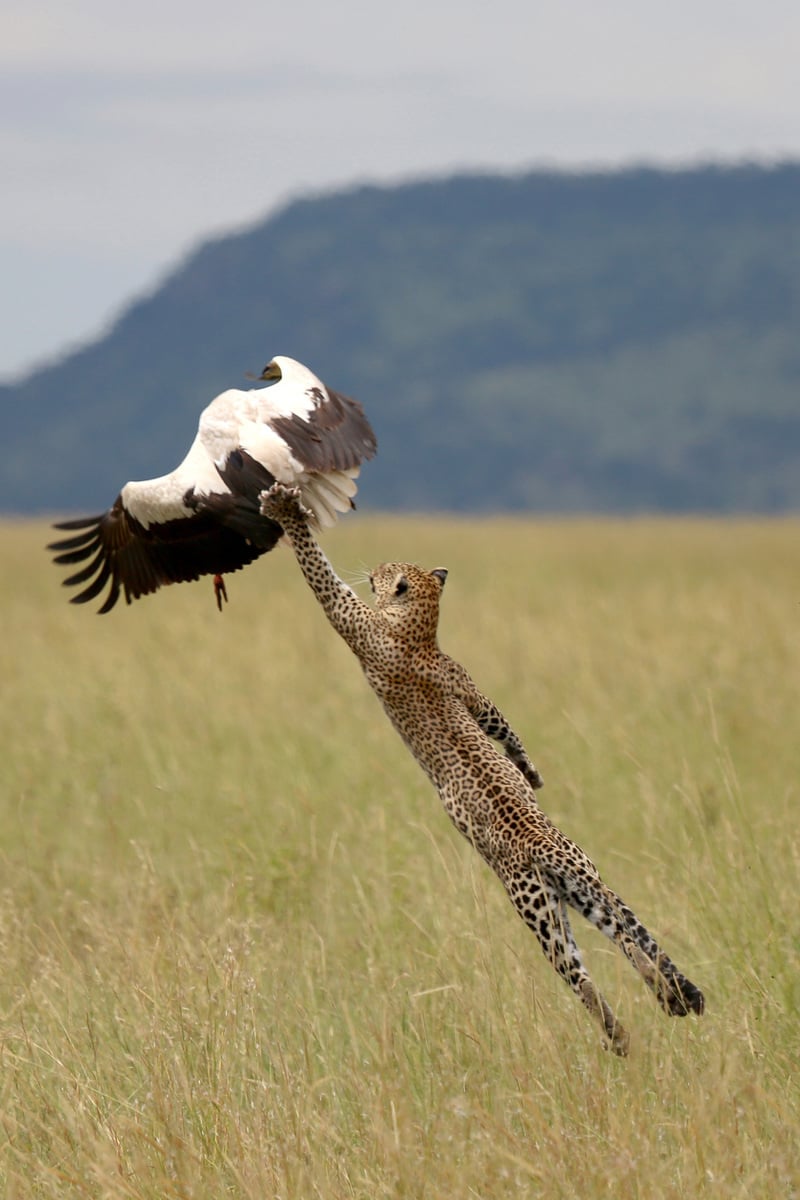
x,y
245,954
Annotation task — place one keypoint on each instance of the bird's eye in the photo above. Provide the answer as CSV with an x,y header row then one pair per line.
x,y
401,587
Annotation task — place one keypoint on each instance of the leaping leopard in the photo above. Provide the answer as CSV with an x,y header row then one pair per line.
x,y
451,729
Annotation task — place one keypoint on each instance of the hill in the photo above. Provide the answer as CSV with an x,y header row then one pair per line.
x,y
618,341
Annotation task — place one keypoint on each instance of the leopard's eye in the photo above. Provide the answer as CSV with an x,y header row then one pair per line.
x,y
401,587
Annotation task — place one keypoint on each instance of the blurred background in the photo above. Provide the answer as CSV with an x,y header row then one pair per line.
x,y
554,251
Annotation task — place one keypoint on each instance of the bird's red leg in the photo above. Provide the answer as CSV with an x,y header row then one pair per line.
x,y
220,591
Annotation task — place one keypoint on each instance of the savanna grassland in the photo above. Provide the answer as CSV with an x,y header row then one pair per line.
x,y
245,954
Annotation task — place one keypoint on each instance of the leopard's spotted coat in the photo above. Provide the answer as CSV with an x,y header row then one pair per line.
x,y
454,731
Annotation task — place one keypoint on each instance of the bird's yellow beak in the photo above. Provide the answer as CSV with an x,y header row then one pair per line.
x,y
271,371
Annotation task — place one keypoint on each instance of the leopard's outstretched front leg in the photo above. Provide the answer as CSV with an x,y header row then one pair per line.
x,y
350,617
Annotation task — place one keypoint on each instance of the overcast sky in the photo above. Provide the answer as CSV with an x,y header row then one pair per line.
x,y
131,132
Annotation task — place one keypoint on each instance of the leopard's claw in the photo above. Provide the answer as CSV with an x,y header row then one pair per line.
x,y
281,500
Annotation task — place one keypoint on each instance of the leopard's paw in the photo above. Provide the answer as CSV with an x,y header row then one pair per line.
x,y
281,502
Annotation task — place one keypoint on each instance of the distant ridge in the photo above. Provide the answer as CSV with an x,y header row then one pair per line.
x,y
612,341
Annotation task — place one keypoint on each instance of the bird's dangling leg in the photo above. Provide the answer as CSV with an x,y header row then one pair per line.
x,y
220,591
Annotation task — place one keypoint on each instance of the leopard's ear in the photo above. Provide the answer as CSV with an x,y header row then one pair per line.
x,y
441,575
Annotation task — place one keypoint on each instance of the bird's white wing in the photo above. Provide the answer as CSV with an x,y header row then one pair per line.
x,y
156,501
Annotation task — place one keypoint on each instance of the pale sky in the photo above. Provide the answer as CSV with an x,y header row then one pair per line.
x,y
129,133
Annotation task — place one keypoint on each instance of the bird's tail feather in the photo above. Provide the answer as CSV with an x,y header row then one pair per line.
x,y
327,495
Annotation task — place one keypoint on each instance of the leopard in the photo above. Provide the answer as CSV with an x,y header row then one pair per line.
x,y
484,777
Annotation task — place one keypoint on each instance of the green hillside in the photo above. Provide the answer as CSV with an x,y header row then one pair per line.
x,y
619,341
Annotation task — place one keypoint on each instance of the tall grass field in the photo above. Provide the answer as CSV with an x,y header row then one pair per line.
x,y
245,954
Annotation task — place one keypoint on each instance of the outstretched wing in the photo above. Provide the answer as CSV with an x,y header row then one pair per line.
x,y
120,552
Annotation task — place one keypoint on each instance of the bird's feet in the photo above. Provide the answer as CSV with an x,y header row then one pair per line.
x,y
220,591
282,503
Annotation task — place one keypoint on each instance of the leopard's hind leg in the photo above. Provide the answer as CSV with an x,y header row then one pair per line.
x,y
538,903
576,880
676,994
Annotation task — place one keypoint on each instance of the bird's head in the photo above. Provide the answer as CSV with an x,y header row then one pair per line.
x,y
272,371
291,372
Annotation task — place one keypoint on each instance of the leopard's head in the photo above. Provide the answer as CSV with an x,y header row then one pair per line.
x,y
407,596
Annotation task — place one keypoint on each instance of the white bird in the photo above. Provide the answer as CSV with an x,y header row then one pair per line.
x,y
203,518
